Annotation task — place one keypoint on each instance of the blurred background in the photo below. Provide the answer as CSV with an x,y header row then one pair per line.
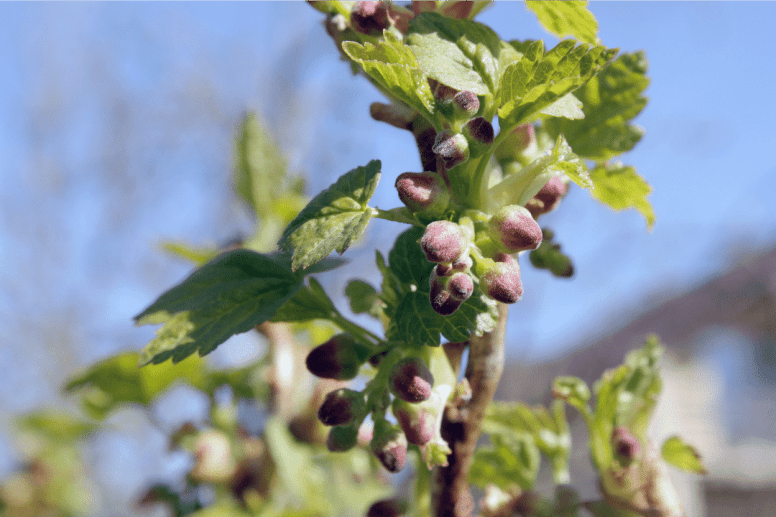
x,y
116,133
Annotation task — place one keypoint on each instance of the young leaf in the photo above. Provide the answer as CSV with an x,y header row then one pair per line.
x,y
566,19
682,456
362,296
536,81
231,294
309,303
198,256
610,100
462,54
394,67
567,106
509,460
408,261
333,219
620,187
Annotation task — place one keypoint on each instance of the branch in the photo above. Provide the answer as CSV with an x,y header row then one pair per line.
x,y
461,427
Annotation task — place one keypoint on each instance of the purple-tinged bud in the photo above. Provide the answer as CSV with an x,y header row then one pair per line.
x,y
424,192
338,358
342,438
411,380
461,286
467,102
397,115
443,270
513,229
442,300
548,197
417,422
463,263
389,445
517,141
502,282
369,17
626,446
341,407
443,95
479,131
451,147
443,242
387,508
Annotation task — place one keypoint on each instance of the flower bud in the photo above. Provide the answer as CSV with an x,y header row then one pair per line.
x,y
389,445
411,380
416,421
547,198
461,286
626,446
501,281
424,192
369,17
466,103
387,508
452,148
517,141
338,358
342,438
341,407
443,241
479,133
513,229
443,95
442,300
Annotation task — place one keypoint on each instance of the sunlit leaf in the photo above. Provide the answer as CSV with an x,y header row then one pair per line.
x,y
682,456
566,18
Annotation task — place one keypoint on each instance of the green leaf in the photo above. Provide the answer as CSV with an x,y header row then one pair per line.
x,y
572,390
538,80
229,295
505,418
610,100
56,425
462,54
509,460
333,219
518,187
416,322
566,18
309,303
567,106
682,456
362,296
407,260
394,67
620,187
391,287
197,255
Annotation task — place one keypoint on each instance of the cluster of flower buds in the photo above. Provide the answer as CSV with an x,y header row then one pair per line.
x,y
451,288
548,197
338,358
549,256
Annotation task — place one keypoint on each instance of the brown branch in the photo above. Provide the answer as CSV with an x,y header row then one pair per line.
x,y
461,428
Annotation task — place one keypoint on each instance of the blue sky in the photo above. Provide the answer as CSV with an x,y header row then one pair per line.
x,y
116,122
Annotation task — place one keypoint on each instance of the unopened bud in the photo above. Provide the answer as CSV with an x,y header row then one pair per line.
x,y
338,358
424,192
443,241
548,197
517,141
341,407
466,103
369,17
389,445
411,380
479,133
501,281
342,438
387,508
452,148
626,446
461,286
417,422
442,300
513,229
443,95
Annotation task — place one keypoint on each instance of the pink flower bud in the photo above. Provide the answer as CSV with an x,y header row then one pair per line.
x,y
424,192
342,438
341,407
452,148
389,445
338,358
369,17
548,197
479,130
513,229
416,422
467,102
443,241
515,143
442,300
626,446
502,282
411,380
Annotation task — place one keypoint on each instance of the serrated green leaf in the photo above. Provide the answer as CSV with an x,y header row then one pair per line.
x,y
362,296
196,255
567,18
229,295
462,54
537,81
620,187
610,100
682,455
393,66
407,260
567,106
416,322
333,219
509,460
309,303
